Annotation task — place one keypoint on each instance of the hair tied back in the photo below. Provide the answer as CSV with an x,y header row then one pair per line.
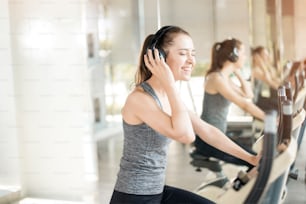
x,y
218,46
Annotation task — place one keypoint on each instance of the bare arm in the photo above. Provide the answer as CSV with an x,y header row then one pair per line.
x,y
230,94
246,88
261,71
217,139
141,108
265,77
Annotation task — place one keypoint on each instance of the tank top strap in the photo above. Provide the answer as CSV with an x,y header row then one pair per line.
x,y
147,88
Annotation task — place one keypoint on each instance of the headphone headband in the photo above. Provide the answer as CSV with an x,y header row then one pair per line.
x,y
159,34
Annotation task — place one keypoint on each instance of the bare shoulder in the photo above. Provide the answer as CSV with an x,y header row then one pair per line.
x,y
213,81
213,77
132,98
136,103
257,70
258,73
136,96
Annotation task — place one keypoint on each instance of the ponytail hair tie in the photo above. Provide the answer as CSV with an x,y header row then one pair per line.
x,y
218,45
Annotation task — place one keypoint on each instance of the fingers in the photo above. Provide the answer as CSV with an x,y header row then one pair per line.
x,y
158,67
157,56
153,60
153,57
147,61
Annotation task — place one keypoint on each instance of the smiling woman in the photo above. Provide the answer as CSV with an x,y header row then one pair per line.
x,y
51,81
154,114
147,15
167,56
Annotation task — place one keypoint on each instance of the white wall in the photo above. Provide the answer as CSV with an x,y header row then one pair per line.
x,y
9,154
232,20
300,29
52,93
259,23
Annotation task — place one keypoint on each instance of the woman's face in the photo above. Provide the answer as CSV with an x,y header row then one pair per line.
x,y
265,55
181,57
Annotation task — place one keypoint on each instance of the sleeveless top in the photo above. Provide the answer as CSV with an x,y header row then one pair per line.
x,y
143,164
257,88
215,109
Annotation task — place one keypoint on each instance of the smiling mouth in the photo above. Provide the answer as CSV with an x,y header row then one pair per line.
x,y
187,69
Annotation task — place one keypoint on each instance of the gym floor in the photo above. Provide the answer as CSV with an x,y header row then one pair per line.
x,y
179,172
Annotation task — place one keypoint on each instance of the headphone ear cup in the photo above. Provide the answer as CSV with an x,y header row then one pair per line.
x,y
162,53
234,55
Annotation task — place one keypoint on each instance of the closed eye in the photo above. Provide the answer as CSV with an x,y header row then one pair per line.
x,y
186,52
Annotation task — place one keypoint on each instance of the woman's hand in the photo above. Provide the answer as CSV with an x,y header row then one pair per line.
x,y
245,89
158,67
255,159
238,74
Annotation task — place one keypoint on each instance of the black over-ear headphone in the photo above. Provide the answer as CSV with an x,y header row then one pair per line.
x,y
234,54
154,42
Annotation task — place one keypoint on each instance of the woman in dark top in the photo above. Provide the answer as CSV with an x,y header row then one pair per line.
x,y
220,91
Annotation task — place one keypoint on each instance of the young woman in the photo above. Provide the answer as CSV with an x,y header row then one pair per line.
x,y
220,91
262,68
154,114
264,76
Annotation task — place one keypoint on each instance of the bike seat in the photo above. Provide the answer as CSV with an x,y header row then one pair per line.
x,y
201,161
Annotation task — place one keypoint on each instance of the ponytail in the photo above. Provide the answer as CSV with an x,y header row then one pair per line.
x,y
222,52
143,73
215,65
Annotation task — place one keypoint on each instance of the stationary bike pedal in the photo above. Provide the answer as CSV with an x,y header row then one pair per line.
x,y
240,181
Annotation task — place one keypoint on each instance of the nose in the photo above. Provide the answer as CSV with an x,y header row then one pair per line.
x,y
191,59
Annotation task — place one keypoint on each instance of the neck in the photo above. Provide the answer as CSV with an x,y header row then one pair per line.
x,y
156,85
227,69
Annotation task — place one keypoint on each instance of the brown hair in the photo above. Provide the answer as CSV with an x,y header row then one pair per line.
x,y
257,50
221,52
164,41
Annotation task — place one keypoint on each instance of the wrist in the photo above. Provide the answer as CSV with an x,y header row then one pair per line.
x,y
238,74
254,160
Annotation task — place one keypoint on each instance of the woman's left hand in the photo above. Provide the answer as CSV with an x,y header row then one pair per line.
x,y
255,159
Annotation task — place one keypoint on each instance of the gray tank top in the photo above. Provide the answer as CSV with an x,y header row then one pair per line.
x,y
215,109
143,164
257,88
